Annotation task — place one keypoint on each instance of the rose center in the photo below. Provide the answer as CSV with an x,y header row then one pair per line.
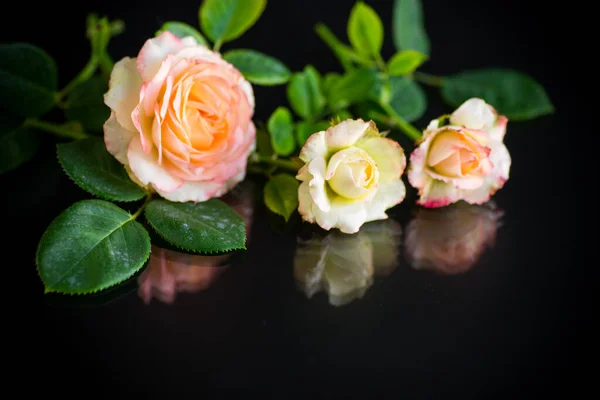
x,y
452,155
353,174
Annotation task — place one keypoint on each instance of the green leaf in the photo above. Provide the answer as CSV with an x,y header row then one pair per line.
x,y
263,143
512,93
281,129
281,195
408,26
365,30
352,88
304,129
305,94
91,246
342,51
91,167
85,104
329,81
407,98
406,62
258,68
28,80
207,227
18,143
225,20
182,30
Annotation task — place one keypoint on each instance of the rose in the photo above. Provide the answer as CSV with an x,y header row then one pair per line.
x,y
464,160
450,240
180,120
351,176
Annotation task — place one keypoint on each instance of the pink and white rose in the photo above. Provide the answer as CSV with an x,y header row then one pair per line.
x,y
464,160
181,119
351,176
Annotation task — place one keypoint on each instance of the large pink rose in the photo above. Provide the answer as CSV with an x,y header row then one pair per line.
x,y
464,159
181,119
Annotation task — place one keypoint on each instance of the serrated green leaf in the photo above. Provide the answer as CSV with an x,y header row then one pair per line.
x,y
352,88
225,20
182,30
28,80
281,195
85,103
365,30
18,143
305,93
407,98
409,27
206,227
512,93
281,130
90,166
258,68
405,62
91,246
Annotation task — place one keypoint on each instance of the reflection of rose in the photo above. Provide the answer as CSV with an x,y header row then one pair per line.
x,y
169,272
450,240
343,265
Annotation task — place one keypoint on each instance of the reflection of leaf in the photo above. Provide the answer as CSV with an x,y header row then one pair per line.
x,y
343,265
451,239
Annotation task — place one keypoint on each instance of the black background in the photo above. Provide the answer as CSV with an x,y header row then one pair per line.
x,y
509,328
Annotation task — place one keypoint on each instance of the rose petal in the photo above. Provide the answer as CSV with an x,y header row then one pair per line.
x,y
417,176
499,129
124,89
438,194
146,168
318,191
117,138
154,52
315,146
388,195
195,191
346,133
388,156
474,113
305,202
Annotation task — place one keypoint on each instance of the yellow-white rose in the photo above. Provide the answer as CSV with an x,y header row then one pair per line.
x,y
351,176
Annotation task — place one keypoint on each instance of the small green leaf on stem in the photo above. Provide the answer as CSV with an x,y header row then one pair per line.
x,y
91,246
206,227
258,68
85,103
281,195
281,129
512,93
365,30
305,93
405,62
352,88
225,20
409,27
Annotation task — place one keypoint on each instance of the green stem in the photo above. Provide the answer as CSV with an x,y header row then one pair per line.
x,y
335,45
428,79
85,74
380,63
401,123
285,164
217,45
146,201
55,129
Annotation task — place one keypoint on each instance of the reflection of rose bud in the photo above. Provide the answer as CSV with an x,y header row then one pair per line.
x,y
169,272
343,265
450,240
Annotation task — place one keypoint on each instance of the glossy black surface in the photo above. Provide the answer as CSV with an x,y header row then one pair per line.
x,y
411,321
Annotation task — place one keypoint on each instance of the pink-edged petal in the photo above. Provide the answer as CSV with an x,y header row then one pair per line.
x,y
117,138
153,88
500,158
388,156
474,113
318,190
462,182
417,176
143,124
305,203
314,147
346,133
154,52
146,168
498,131
477,196
388,195
438,194
200,53
246,88
124,90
